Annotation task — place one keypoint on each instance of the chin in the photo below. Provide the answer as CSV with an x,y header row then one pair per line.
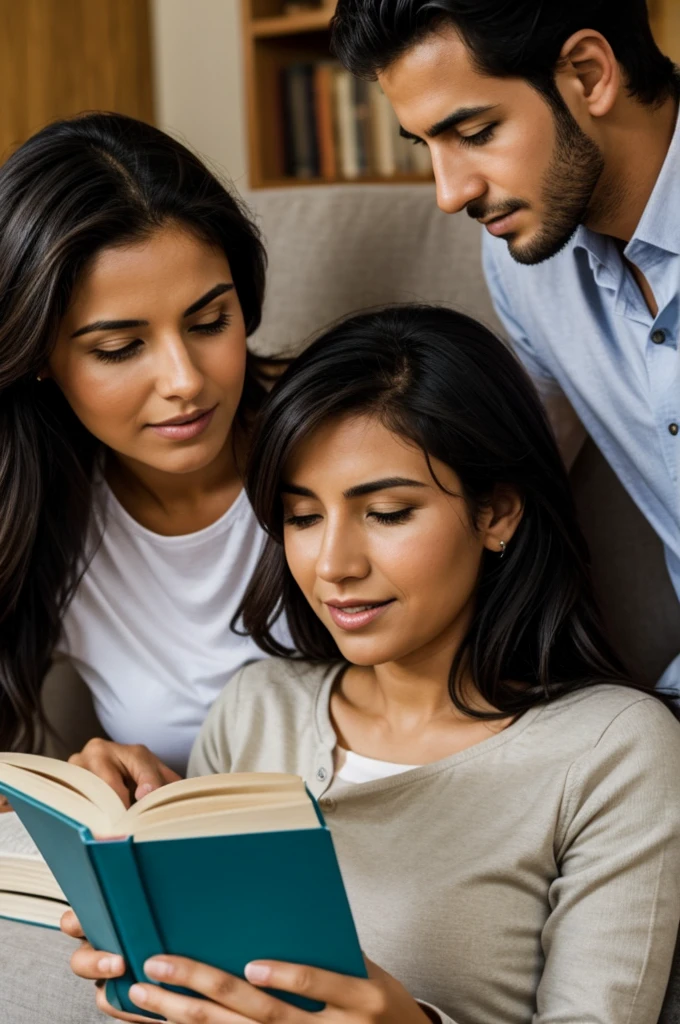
x,y
367,651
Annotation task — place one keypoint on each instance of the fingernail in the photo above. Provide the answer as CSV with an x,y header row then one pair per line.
x,y
137,994
258,973
158,969
143,790
111,965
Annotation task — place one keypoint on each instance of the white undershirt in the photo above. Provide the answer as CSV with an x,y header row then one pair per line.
x,y
355,768
149,627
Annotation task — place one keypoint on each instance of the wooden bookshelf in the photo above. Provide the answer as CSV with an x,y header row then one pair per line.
x,y
274,40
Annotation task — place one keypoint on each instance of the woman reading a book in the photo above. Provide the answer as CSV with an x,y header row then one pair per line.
x,y
129,281
504,802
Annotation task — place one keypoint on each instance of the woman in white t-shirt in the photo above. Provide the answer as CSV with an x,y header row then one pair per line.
x,y
129,281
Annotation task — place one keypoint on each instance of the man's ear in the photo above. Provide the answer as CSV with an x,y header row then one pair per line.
x,y
503,517
588,72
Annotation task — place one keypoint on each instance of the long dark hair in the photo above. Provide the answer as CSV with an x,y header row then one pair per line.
x,y
73,189
444,382
507,38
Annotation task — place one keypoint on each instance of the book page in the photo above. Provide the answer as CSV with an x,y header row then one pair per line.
x,y
71,776
15,840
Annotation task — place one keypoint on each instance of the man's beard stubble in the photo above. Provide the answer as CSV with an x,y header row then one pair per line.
x,y
567,194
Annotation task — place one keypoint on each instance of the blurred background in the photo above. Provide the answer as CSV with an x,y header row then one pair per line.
x,y
247,83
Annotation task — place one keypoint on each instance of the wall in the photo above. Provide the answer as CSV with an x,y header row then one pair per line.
x,y
58,57
199,79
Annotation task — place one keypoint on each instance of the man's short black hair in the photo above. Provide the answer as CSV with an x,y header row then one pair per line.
x,y
507,38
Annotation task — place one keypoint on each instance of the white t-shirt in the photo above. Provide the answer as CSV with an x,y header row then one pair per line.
x,y
149,627
355,768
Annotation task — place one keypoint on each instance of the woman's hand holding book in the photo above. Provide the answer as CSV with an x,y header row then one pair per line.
x,y
93,965
378,999
132,771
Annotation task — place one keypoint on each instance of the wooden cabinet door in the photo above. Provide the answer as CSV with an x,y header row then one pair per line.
x,y
60,57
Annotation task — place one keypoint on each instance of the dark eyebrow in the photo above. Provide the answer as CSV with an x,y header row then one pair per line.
x,y
109,325
123,325
360,490
219,289
452,121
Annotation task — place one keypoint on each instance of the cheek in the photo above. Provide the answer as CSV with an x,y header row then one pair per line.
x,y
521,160
434,564
108,400
224,365
302,550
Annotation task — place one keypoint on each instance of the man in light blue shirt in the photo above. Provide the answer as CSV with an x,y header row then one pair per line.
x,y
556,126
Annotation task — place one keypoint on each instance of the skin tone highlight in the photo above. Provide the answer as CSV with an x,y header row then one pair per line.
x,y
154,333
505,155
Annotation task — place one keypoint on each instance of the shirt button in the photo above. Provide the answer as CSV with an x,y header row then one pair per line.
x,y
658,337
673,429
322,774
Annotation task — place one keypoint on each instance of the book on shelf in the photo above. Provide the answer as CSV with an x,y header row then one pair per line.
x,y
224,869
338,127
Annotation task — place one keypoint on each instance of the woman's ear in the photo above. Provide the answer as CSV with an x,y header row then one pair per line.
x,y
588,73
503,517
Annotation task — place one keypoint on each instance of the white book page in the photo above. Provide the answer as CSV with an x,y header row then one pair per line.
x,y
15,840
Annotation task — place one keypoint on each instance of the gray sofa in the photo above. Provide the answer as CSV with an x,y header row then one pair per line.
x,y
333,250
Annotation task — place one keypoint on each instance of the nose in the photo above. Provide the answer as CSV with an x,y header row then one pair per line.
x,y
342,555
178,376
457,184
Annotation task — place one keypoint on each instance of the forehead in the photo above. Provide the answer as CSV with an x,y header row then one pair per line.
x,y
437,75
352,446
173,266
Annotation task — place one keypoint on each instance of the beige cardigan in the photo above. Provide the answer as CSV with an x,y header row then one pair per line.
x,y
534,877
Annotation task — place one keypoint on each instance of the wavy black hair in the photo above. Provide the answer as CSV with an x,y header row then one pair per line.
x,y
73,189
507,38
447,384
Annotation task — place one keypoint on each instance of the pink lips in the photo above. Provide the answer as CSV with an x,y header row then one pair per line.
x,y
348,620
184,431
502,226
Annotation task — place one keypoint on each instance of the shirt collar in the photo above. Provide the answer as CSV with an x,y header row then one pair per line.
x,y
659,225
656,227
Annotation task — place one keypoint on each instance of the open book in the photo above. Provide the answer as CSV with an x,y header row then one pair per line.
x,y
214,805
28,889
223,869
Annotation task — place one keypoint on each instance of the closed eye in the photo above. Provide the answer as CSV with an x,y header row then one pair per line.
x,y
118,355
479,138
301,521
214,327
402,515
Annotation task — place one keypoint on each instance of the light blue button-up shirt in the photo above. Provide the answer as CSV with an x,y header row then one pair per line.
x,y
581,326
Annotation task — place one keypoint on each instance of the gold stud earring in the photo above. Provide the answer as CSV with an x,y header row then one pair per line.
x,y
38,378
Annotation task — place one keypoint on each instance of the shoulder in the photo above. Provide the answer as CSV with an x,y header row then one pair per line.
x,y
606,706
269,716
279,692
616,739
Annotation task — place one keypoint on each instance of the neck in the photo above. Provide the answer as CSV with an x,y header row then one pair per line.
x,y
175,502
635,143
415,690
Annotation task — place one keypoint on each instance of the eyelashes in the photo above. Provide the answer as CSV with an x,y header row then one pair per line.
x,y
119,355
479,139
386,518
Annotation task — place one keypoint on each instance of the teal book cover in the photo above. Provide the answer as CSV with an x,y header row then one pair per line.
x,y
221,899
